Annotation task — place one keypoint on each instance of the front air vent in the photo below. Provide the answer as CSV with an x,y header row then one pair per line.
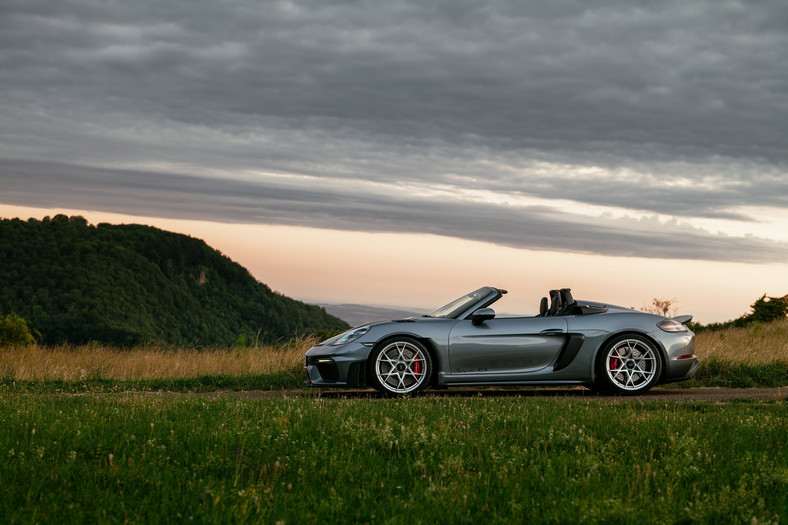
x,y
326,367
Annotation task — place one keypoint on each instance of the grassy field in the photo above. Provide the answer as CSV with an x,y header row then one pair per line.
x,y
743,357
139,458
759,343
78,363
143,459
738,357
150,368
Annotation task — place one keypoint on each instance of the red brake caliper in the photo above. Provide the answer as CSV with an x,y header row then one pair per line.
x,y
417,366
613,363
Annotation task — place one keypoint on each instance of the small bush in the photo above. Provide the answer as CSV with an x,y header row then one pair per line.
x,y
14,331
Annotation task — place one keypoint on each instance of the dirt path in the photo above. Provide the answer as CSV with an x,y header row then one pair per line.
x,y
713,395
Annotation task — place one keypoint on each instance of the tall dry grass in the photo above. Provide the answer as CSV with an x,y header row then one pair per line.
x,y
759,343
752,345
74,363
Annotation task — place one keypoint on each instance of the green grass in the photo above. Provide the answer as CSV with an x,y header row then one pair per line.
x,y
712,373
111,459
288,379
721,373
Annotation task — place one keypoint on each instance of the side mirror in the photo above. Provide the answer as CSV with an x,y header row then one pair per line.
x,y
481,315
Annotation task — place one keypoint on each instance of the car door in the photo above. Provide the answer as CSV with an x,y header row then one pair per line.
x,y
507,346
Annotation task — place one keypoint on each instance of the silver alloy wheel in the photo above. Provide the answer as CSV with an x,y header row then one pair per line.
x,y
401,367
631,364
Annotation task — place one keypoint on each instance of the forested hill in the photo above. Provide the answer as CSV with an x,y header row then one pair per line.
x,y
131,284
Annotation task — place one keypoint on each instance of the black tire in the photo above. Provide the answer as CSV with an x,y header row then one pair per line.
x,y
400,366
628,365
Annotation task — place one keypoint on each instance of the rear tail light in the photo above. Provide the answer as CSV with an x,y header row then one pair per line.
x,y
671,325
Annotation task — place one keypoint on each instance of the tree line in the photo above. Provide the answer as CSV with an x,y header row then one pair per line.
x,y
764,310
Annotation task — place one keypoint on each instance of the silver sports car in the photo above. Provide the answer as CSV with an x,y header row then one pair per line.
x,y
601,346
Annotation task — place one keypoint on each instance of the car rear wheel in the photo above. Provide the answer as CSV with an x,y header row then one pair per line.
x,y
400,366
629,365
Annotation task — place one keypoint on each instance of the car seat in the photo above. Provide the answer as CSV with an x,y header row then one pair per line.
x,y
555,303
543,307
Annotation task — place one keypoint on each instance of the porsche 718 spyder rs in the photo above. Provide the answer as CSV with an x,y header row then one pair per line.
x,y
603,347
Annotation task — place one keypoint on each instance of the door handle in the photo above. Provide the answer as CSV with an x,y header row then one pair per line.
x,y
552,331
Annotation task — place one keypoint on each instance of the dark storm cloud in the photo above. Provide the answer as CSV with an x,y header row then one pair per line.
x,y
677,108
179,196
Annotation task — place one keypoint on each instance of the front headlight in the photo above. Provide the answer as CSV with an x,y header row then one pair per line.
x,y
351,335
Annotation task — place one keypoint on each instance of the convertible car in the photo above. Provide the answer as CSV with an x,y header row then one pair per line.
x,y
604,347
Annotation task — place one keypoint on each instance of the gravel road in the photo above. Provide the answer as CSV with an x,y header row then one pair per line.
x,y
692,395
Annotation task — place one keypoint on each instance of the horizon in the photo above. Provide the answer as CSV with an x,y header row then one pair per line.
x,y
286,275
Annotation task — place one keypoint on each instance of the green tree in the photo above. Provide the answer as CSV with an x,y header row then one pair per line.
x,y
14,331
768,309
130,284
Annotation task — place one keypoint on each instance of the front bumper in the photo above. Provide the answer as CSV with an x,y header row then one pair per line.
x,y
330,365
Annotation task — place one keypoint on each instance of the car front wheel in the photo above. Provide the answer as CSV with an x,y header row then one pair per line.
x,y
400,366
629,365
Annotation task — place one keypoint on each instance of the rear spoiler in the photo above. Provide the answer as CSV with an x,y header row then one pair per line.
x,y
683,319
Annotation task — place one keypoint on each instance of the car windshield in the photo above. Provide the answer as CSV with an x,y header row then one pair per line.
x,y
456,307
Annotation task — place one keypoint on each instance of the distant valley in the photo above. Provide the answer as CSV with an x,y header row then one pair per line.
x,y
357,314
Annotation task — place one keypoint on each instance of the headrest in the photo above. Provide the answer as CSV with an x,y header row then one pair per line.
x,y
543,307
555,302
566,296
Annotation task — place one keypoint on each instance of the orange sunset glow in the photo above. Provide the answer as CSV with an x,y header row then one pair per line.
x,y
425,271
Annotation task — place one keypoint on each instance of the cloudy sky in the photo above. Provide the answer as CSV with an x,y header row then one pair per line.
x,y
613,131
